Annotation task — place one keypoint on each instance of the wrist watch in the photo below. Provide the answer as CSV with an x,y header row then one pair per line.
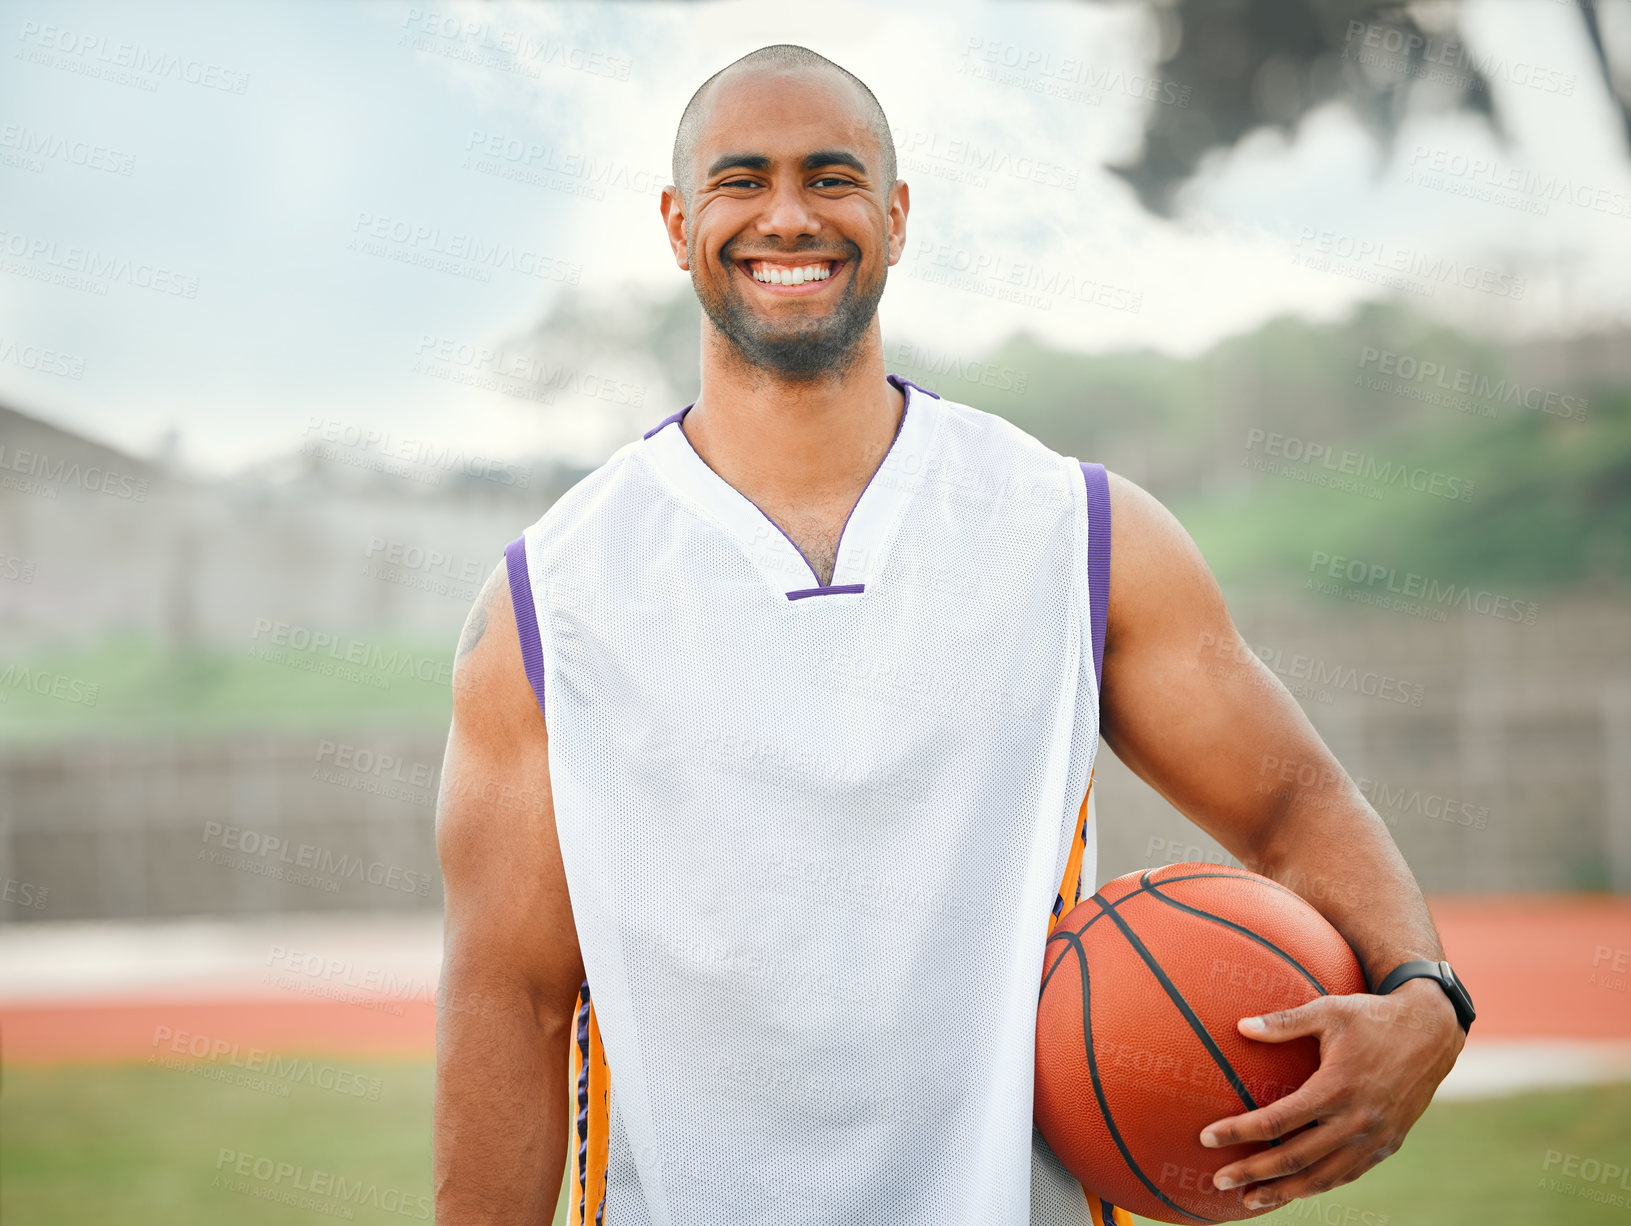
x,y
1439,972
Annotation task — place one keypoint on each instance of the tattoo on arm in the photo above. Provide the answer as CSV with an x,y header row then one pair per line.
x,y
474,627
476,624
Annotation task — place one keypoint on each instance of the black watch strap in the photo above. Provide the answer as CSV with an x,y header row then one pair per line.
x,y
1441,973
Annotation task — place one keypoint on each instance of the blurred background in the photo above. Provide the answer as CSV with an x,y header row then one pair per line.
x,y
306,310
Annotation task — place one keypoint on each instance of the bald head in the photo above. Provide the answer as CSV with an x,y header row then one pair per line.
x,y
785,58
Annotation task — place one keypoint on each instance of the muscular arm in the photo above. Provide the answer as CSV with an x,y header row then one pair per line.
x,y
1193,711
511,967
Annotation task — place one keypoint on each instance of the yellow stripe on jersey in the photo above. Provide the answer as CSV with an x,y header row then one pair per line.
x,y
587,1088
599,1120
1070,893
575,1146
1106,1214
1070,885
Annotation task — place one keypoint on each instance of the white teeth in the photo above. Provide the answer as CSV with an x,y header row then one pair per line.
x,y
792,276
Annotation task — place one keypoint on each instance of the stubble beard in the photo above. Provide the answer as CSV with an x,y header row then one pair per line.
x,y
804,352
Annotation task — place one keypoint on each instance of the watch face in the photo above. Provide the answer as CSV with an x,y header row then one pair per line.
x,y
1459,995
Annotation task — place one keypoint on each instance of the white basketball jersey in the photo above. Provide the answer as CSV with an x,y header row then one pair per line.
x,y
816,836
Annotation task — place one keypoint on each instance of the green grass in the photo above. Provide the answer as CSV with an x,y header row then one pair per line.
x,y
87,1145
1481,1163
94,1144
1549,508
143,688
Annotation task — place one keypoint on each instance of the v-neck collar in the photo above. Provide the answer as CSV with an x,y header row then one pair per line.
x,y
778,560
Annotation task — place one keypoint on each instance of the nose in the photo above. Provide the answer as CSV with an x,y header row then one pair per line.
x,y
786,214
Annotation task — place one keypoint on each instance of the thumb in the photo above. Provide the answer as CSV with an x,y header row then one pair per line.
x,y
1285,1024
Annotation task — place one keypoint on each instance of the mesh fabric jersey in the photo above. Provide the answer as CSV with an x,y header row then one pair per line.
x,y
816,835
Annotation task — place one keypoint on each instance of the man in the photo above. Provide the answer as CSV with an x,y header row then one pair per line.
x,y
765,901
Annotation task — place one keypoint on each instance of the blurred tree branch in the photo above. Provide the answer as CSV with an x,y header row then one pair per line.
x,y
1249,64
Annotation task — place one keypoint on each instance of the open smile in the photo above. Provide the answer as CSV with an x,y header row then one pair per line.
x,y
787,277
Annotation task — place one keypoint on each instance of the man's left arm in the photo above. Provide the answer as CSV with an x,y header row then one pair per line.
x,y
1193,711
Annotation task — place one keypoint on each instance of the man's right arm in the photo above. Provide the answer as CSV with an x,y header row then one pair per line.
x,y
511,968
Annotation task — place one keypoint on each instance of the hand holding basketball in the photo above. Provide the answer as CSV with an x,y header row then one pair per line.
x,y
1138,1039
1381,1058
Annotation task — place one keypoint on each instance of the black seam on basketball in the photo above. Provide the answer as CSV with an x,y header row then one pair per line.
x,y
1201,1032
1267,944
1056,937
1098,1087
1257,878
1145,888
1148,888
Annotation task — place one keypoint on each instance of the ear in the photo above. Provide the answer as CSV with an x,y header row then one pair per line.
x,y
900,202
673,210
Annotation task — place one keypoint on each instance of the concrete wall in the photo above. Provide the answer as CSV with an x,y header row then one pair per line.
x,y
1512,773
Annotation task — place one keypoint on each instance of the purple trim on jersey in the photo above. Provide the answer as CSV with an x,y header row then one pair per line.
x,y
900,381
526,617
826,591
668,421
901,384
1098,560
680,417
899,426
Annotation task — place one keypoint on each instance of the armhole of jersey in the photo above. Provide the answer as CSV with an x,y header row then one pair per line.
x,y
1098,562
526,616
1098,595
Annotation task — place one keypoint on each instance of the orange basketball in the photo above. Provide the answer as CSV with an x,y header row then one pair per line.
x,y
1137,1048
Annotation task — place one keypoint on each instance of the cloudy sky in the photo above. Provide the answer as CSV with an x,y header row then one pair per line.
x,y
250,223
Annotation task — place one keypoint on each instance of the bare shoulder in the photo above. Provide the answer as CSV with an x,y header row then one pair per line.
x,y
491,692
1158,578
507,914
497,743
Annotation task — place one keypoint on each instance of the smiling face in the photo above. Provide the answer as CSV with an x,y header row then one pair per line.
x,y
789,228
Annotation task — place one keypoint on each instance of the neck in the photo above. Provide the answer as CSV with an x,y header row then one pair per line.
x,y
794,444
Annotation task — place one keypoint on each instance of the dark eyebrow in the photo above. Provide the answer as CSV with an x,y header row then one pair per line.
x,y
812,161
834,157
743,161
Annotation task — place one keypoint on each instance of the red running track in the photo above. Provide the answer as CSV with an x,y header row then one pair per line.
x,y
1529,962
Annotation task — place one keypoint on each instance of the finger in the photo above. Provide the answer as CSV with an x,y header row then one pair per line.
x,y
1343,1165
1308,1102
1297,1154
1277,1027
